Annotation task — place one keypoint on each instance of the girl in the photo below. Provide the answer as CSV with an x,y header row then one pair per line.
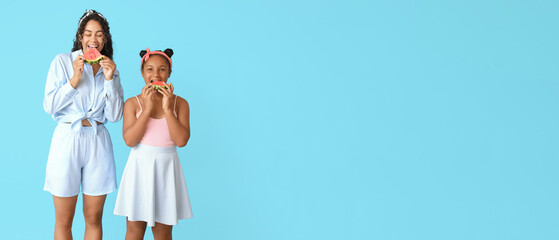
x,y
81,98
152,190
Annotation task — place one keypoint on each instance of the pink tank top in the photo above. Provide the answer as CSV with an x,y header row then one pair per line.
x,y
157,132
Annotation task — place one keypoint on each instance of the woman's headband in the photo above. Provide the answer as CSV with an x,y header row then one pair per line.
x,y
148,53
89,12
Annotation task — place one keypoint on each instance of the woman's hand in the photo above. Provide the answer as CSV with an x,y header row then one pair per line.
x,y
108,67
167,97
78,71
147,98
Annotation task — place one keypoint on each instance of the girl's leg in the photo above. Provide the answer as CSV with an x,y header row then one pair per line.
x,y
93,214
135,230
162,231
64,208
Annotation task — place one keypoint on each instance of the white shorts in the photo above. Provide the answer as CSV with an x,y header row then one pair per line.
x,y
80,158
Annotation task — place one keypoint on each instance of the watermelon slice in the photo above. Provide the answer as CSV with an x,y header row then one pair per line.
x,y
158,85
92,56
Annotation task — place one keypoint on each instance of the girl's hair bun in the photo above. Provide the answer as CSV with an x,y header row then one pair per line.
x,y
142,53
169,52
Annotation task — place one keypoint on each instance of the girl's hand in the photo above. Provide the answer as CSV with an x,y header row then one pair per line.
x,y
147,96
108,67
78,71
167,97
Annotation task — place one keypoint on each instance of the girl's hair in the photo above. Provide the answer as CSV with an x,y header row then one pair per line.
x,y
169,52
94,15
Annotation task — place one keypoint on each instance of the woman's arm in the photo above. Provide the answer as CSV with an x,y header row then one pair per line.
x,y
115,98
59,92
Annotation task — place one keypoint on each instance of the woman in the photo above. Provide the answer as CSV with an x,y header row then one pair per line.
x,y
81,98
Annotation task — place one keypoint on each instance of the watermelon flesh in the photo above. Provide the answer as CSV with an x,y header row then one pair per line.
x,y
158,85
92,56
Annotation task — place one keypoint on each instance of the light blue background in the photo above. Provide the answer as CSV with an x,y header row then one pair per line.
x,y
317,119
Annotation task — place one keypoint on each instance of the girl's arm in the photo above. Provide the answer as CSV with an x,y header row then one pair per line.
x,y
179,126
59,92
133,129
115,98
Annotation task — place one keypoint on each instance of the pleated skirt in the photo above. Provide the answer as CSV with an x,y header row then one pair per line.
x,y
152,188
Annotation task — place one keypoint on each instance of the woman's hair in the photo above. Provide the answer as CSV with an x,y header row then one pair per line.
x,y
169,52
94,15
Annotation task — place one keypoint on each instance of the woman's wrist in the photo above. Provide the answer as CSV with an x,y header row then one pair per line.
x,y
74,81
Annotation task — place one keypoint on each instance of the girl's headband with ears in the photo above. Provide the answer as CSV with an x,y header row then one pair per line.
x,y
167,54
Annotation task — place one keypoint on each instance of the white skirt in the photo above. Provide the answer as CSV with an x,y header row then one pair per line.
x,y
152,188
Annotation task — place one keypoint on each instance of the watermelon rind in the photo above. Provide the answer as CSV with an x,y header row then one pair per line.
x,y
157,87
94,61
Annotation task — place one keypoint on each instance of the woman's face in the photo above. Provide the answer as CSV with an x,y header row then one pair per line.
x,y
156,69
93,36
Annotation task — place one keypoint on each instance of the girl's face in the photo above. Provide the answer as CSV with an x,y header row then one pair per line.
x,y
92,36
156,68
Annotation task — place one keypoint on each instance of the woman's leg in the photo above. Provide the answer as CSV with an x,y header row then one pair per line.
x,y
64,208
93,214
135,230
162,231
